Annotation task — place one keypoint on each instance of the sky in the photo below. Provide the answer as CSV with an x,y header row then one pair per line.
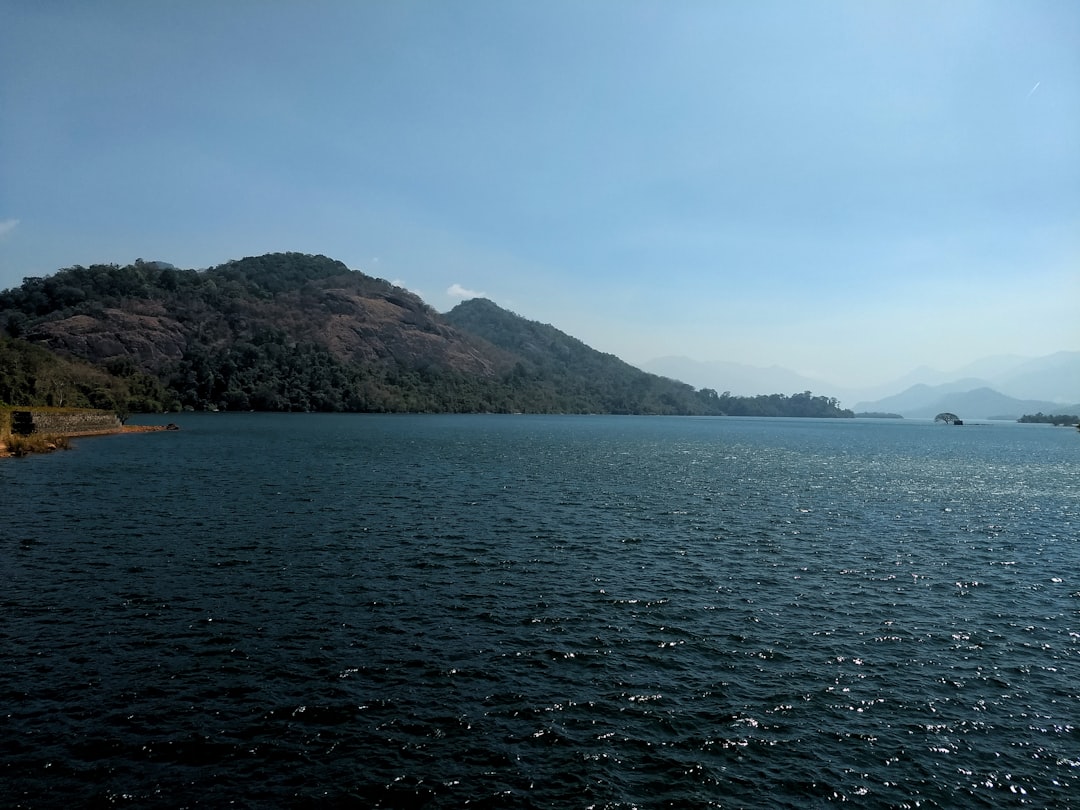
x,y
846,189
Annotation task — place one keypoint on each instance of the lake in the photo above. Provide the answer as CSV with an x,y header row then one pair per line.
x,y
543,611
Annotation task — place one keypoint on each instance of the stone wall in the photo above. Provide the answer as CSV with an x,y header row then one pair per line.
x,y
72,421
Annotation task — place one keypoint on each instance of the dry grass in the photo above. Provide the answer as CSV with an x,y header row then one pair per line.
x,y
34,443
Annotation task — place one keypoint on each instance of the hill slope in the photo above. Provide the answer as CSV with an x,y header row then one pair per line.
x,y
277,332
566,367
570,375
294,332
153,314
298,332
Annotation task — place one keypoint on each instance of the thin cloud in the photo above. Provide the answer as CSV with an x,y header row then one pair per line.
x,y
7,226
1033,89
457,291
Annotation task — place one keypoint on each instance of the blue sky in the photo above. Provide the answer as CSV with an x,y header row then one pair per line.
x,y
847,189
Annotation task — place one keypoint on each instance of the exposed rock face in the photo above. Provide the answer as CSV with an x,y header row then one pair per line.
x,y
151,340
378,329
358,319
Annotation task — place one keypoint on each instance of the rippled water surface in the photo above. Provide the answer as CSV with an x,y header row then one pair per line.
x,y
497,611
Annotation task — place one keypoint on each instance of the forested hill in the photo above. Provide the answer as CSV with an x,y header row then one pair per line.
x,y
290,331
567,375
546,353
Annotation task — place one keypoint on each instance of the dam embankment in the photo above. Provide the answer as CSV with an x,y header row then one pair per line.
x,y
20,426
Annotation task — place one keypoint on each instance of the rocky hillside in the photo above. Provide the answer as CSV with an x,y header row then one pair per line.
x,y
153,314
299,332
294,332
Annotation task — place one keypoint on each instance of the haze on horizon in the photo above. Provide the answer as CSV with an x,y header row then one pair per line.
x,y
845,189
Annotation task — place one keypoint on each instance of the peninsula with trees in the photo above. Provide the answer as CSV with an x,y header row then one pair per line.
x,y
1041,418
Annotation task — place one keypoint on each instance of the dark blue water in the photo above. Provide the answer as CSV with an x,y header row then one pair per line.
x,y
520,612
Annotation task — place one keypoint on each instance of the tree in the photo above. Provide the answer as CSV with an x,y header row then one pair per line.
x,y
52,384
948,418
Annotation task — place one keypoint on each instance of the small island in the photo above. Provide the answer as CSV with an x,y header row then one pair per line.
x,y
949,418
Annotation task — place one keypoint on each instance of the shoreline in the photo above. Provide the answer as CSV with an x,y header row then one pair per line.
x,y
50,446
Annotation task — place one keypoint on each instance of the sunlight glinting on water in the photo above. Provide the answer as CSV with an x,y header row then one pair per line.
x,y
610,612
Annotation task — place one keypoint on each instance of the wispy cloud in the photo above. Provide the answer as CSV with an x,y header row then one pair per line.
x,y
457,291
1033,89
7,226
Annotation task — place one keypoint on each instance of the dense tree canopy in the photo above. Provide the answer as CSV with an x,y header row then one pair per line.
x,y
948,418
30,375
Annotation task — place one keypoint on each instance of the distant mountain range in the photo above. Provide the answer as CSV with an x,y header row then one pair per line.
x,y
1053,378
992,388
926,401
999,387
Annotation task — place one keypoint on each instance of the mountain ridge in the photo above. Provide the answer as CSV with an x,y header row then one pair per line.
x,y
970,402
292,331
